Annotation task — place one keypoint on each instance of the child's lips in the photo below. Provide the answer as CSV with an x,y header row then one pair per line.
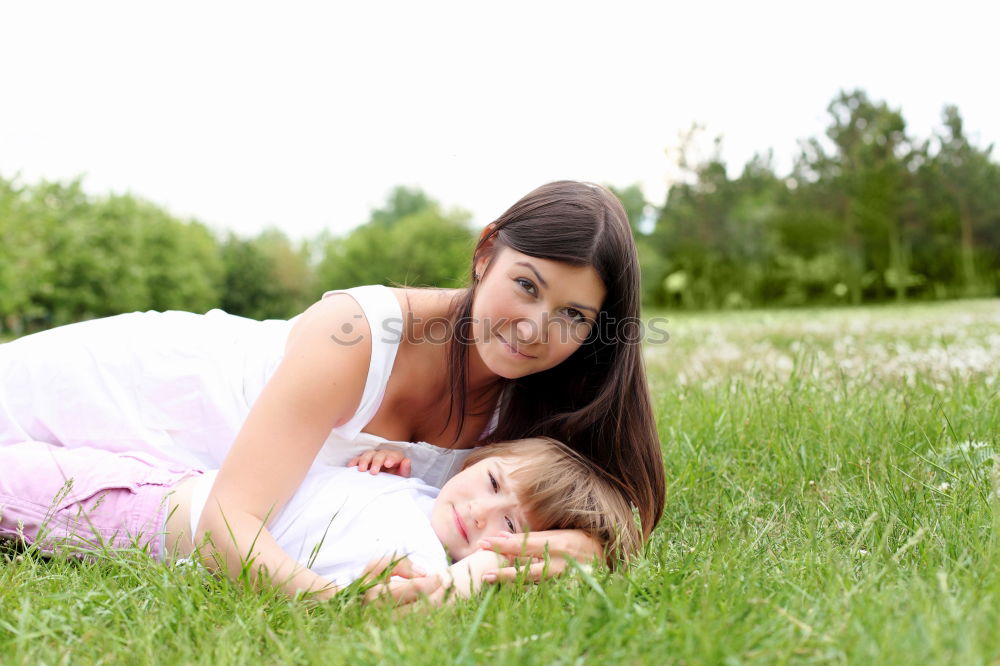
x,y
460,524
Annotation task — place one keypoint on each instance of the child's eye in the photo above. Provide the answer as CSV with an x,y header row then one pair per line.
x,y
527,285
493,482
510,525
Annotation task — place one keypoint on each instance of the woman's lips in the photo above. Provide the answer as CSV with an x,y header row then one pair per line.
x,y
460,524
510,349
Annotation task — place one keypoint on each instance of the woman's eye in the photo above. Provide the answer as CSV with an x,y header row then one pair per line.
x,y
493,482
510,525
527,285
575,314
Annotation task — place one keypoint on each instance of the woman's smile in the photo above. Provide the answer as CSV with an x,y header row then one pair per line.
x,y
513,350
545,308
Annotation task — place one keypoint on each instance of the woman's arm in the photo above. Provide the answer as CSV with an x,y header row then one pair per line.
x,y
317,387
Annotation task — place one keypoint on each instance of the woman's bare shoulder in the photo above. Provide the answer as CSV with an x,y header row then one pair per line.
x,y
337,315
422,305
333,330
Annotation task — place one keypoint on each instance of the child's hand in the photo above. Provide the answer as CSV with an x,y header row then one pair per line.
x,y
399,592
465,577
401,567
382,460
406,584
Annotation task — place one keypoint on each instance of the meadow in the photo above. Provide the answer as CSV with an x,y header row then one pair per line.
x,y
833,497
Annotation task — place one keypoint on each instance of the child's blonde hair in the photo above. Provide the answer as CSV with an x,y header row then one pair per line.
x,y
560,489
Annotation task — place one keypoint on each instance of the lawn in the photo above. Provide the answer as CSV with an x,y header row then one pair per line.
x,y
833,497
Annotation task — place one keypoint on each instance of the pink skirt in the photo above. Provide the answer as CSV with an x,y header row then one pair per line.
x,y
78,501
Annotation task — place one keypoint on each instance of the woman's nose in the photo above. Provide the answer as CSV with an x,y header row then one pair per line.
x,y
530,331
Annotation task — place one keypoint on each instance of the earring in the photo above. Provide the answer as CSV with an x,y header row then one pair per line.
x,y
476,276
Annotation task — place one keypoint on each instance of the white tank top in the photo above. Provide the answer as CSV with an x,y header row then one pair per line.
x,y
433,464
385,320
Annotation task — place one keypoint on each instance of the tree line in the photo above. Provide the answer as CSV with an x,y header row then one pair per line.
x,y
68,256
867,213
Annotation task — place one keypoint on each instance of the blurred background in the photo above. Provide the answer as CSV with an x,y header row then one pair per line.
x,y
250,156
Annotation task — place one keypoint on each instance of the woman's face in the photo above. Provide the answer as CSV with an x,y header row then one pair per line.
x,y
531,314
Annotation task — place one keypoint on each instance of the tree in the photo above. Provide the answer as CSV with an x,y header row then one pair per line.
x,y
23,259
634,202
266,277
402,201
716,232
867,173
421,247
963,185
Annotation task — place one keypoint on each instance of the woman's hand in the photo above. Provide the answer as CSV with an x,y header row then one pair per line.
x,y
530,551
382,460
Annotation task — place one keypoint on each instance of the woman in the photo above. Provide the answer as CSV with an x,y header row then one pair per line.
x,y
542,343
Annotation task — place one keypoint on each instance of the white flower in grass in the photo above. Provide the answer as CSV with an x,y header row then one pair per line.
x,y
972,445
784,363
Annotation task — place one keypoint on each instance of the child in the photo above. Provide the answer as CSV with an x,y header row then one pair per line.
x,y
338,520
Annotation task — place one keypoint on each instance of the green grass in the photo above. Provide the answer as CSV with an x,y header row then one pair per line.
x,y
833,498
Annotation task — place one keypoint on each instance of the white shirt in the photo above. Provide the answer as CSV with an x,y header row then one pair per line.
x,y
341,519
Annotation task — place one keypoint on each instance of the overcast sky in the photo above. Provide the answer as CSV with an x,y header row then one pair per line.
x,y
304,114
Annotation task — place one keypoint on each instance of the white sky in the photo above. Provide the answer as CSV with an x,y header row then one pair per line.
x,y
304,114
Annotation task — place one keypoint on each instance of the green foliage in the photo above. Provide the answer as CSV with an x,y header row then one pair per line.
x,y
22,253
184,270
67,256
266,277
654,272
960,186
401,245
716,231
868,213
635,204
402,202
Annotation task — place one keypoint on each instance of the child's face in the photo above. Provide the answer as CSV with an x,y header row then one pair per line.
x,y
477,502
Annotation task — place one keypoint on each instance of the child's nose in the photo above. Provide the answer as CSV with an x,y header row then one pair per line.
x,y
478,512
485,511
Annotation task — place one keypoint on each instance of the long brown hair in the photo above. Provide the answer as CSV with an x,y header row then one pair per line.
x,y
596,401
